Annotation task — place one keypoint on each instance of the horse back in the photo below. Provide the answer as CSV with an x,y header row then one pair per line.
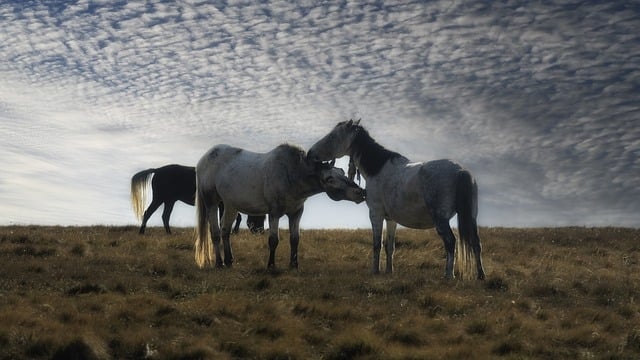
x,y
237,176
439,174
438,179
174,182
411,193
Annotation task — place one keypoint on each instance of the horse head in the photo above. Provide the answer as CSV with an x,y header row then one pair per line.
x,y
337,185
336,143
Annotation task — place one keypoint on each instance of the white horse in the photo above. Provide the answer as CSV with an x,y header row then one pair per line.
x,y
275,183
415,195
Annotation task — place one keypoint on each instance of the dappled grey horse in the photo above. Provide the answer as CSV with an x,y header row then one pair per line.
x,y
275,183
171,183
415,195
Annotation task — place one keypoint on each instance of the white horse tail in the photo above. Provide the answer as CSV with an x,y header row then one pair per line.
x,y
139,189
467,208
203,245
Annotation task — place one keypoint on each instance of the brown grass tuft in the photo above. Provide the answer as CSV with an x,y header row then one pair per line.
x,y
106,292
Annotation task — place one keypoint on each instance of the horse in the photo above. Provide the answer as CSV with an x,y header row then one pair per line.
x,y
171,183
275,183
416,195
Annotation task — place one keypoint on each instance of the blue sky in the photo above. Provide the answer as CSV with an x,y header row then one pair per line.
x,y
538,99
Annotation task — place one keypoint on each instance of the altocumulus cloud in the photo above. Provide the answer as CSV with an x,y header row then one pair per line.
x,y
539,100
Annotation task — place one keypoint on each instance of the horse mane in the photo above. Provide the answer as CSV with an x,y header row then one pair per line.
x,y
294,152
295,165
371,155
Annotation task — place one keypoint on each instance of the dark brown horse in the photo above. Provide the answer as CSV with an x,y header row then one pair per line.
x,y
169,184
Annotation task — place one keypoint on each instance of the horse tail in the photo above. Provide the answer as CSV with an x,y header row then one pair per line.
x,y
203,246
139,189
467,208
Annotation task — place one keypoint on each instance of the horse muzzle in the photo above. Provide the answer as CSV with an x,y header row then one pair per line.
x,y
357,195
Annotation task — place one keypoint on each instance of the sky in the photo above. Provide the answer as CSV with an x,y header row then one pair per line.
x,y
538,99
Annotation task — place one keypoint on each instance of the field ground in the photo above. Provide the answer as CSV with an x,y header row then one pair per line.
x,y
106,292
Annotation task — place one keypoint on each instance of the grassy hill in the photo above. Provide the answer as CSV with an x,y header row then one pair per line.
x,y
107,292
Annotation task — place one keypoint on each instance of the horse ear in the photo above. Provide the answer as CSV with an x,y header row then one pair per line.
x,y
333,162
350,122
357,122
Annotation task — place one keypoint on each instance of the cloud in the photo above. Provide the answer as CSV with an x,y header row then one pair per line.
x,y
539,100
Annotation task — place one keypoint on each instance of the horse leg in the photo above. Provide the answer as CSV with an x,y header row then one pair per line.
x,y
294,236
390,244
477,249
445,232
236,228
273,240
376,227
147,214
214,228
475,238
166,214
227,221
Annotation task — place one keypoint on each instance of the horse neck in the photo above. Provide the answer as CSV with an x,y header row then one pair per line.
x,y
309,186
369,156
303,184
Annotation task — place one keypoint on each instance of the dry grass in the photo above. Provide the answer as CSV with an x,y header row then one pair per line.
x,y
106,292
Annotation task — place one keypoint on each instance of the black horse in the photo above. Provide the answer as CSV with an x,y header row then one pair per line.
x,y
171,183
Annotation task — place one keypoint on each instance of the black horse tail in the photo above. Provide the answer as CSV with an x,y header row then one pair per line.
x,y
467,209
139,189
203,245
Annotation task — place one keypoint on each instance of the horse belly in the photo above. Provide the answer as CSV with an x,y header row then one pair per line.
x,y
404,201
415,217
253,209
245,199
244,193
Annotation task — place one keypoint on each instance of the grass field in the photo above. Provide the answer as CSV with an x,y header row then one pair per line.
x,y
107,292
